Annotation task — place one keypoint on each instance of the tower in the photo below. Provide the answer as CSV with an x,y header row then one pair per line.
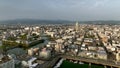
x,y
76,26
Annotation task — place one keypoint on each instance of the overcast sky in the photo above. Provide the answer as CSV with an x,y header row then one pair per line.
x,y
60,9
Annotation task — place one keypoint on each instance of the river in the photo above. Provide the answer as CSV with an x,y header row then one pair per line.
x,y
68,64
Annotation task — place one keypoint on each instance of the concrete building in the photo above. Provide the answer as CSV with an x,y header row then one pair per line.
x,y
58,47
7,62
118,56
30,52
30,63
102,55
45,54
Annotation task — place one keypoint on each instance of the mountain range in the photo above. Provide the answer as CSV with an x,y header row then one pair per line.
x,y
37,21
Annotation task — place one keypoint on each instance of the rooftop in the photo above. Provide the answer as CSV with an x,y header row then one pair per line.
x,y
4,59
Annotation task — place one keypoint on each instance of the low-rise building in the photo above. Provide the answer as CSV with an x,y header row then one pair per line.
x,y
7,62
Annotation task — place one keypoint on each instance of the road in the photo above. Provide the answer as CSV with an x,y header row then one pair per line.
x,y
49,64
102,43
79,47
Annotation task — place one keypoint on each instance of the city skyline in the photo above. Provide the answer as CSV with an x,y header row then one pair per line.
x,y
79,10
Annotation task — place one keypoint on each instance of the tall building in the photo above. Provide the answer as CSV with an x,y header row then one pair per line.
x,y
76,26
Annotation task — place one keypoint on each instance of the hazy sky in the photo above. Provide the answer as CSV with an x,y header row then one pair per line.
x,y
60,9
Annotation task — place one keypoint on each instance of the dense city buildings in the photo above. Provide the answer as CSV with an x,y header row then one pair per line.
x,y
59,33
41,46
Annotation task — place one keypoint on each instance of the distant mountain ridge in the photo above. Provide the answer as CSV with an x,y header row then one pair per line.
x,y
34,21
37,21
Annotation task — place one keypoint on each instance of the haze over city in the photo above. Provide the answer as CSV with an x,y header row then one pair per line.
x,y
59,34
80,10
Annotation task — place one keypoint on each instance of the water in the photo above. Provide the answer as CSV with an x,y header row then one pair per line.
x,y
68,64
59,63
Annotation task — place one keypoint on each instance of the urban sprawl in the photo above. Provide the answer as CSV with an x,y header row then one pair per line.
x,y
39,46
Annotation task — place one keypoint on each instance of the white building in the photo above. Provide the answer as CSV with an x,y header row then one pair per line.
x,y
58,47
102,55
30,52
45,54
30,63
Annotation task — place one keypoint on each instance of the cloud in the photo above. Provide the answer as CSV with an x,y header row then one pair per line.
x,y
59,9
